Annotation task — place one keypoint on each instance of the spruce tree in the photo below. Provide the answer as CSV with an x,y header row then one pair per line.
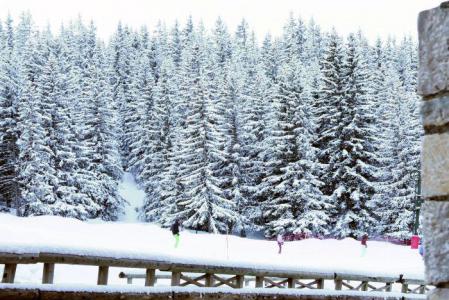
x,y
9,99
355,160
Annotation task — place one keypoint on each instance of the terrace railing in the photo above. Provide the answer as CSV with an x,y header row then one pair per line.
x,y
209,275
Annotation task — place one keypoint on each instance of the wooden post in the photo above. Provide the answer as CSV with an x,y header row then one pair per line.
x,y
320,283
103,275
364,286
9,273
259,281
48,273
150,277
175,278
210,280
291,283
338,284
239,281
389,286
404,288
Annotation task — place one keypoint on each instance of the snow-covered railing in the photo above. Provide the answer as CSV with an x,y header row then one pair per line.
x,y
208,275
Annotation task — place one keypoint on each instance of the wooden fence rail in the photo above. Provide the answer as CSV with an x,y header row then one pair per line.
x,y
206,275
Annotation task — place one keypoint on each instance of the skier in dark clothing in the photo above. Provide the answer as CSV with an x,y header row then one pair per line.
x,y
175,230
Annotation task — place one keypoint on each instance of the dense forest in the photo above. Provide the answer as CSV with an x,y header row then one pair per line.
x,y
309,132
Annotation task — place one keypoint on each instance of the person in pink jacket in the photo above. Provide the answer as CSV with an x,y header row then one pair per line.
x,y
364,244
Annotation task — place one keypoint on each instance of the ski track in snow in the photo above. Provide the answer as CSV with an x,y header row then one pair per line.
x,y
131,192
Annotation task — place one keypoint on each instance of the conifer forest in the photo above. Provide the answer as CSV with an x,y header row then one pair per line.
x,y
309,132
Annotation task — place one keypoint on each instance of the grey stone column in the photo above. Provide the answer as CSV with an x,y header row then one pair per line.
x,y
433,86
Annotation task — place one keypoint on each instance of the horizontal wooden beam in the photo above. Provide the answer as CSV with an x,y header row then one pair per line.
x,y
99,260
19,258
17,292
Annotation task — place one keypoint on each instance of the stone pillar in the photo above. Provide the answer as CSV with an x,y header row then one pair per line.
x,y
433,86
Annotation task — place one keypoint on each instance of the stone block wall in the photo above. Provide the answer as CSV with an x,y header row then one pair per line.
x,y
433,86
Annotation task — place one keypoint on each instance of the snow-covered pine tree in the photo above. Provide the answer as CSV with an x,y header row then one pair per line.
x,y
37,175
165,95
2,37
395,205
383,88
204,206
78,46
280,157
71,201
313,209
136,88
151,145
269,59
101,137
143,85
122,56
314,43
22,34
175,44
9,98
389,198
398,138
170,90
246,125
236,65
279,186
9,33
159,49
355,160
328,109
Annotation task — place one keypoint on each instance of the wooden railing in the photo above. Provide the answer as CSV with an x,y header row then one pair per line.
x,y
206,275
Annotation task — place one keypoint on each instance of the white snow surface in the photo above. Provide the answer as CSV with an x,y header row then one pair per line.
x,y
134,196
202,290
149,241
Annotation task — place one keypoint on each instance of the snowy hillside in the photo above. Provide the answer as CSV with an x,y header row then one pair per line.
x,y
150,241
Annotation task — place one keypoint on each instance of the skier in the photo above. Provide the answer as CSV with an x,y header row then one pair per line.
x,y
280,240
364,244
175,230
421,248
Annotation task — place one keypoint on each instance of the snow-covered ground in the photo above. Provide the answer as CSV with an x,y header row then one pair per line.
x,y
129,190
149,241
140,240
